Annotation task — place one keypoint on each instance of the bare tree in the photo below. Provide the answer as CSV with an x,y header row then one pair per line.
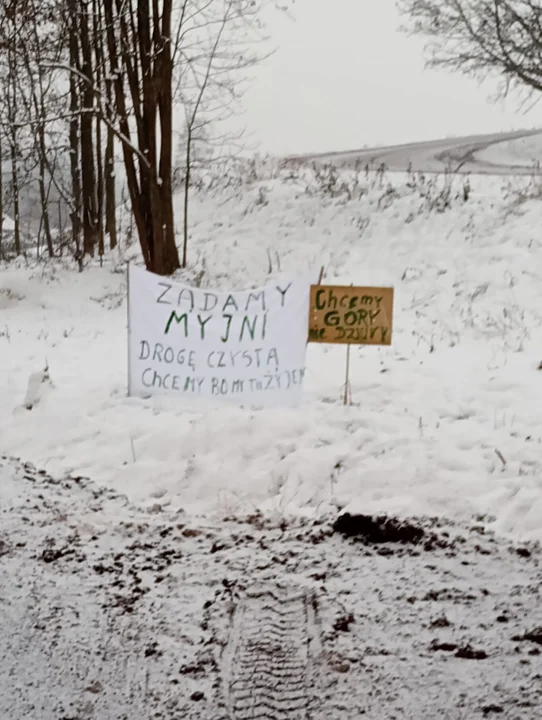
x,y
97,26
71,25
202,75
80,78
13,133
139,47
481,37
30,45
109,188
88,171
37,94
217,42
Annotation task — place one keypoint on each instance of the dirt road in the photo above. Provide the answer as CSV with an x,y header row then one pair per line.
x,y
455,154
109,611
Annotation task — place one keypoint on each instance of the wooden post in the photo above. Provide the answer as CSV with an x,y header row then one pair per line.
x,y
321,276
347,394
347,376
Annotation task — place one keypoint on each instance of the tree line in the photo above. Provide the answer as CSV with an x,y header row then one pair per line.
x,y
90,92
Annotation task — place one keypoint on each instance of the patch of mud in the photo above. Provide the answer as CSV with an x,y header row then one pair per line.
x,y
381,529
534,636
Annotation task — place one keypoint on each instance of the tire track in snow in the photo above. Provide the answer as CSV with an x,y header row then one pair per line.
x,y
270,666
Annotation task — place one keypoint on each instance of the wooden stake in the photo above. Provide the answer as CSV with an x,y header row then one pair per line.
x,y
321,276
347,377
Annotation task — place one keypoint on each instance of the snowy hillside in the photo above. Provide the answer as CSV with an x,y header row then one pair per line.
x,y
445,422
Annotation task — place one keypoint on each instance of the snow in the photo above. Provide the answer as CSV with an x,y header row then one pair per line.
x,y
445,422
116,612
8,224
182,561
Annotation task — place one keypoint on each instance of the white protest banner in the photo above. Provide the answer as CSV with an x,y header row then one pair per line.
x,y
248,347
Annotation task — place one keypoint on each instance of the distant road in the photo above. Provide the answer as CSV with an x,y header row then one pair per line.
x,y
464,155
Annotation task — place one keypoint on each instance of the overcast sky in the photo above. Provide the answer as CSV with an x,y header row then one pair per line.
x,y
344,77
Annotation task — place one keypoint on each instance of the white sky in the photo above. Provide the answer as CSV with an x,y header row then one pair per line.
x,y
344,77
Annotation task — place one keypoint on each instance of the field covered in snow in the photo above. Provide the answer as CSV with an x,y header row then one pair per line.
x,y
447,421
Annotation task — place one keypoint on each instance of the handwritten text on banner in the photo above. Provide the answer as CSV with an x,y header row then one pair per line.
x,y
247,346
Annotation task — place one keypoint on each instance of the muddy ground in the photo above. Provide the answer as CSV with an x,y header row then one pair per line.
x,y
108,611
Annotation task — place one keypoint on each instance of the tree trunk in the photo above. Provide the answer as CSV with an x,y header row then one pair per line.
x,y
127,147
45,211
143,43
99,190
187,179
149,178
44,195
1,194
98,50
74,133
37,90
109,169
164,77
88,173
110,191
15,188
14,147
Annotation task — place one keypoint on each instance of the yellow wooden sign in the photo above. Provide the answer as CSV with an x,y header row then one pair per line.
x,y
350,315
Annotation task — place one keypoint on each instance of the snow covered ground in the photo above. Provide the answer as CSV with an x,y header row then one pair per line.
x,y
200,558
448,420
112,611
